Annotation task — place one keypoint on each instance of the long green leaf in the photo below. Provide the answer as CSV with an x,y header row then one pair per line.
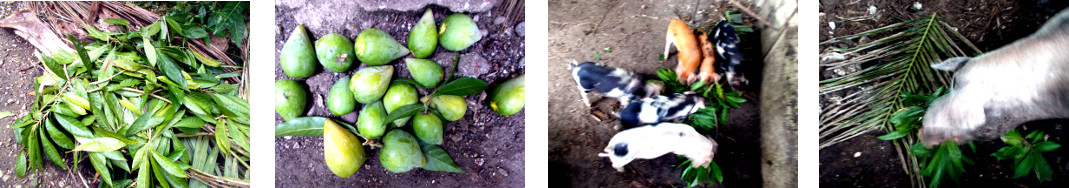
x,y
73,126
50,151
438,160
100,164
61,139
172,71
20,165
221,139
306,126
170,166
102,144
462,87
403,112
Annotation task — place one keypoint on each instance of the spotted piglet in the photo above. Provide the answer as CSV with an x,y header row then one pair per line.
x,y
611,82
662,108
652,141
727,49
995,92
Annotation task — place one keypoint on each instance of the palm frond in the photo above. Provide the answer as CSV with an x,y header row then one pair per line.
x,y
896,62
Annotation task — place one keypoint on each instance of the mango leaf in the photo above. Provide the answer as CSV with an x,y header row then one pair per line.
x,y
1042,168
195,32
171,70
462,87
73,126
102,144
238,135
150,51
20,165
895,134
232,105
117,21
170,166
438,160
190,122
143,177
221,139
100,164
403,112
1025,166
206,60
61,139
79,47
1046,146
306,126
50,151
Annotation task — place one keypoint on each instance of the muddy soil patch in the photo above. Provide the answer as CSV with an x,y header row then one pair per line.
x,y
486,145
631,35
989,25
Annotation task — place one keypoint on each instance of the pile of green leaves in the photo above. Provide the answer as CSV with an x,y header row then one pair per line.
x,y
437,158
145,110
944,163
705,120
941,164
197,19
1027,157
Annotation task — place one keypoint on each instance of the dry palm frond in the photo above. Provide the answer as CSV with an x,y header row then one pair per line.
x,y
894,64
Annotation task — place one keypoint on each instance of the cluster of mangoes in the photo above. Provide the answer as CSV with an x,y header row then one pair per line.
x,y
381,94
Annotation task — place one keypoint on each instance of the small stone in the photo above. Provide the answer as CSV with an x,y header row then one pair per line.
x,y
872,9
473,64
858,154
917,6
296,145
287,137
831,25
479,161
520,29
499,20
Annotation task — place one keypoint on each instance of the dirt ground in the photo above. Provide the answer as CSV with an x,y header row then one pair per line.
x,y
18,68
634,31
486,145
989,25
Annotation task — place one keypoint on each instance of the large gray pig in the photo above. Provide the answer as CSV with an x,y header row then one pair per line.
x,y
995,92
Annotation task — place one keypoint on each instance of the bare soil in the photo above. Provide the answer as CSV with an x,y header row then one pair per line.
x,y
989,25
634,33
486,145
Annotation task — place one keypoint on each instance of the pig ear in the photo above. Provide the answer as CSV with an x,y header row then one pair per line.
x,y
951,64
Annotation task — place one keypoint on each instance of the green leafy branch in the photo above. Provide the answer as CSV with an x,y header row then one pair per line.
x,y
1027,157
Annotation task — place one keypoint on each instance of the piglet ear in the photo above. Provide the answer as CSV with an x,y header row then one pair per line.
x,y
951,64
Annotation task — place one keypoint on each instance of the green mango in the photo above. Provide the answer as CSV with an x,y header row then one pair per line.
x,y
451,107
428,127
424,37
399,94
371,121
291,99
400,152
508,98
335,52
298,56
340,100
426,72
342,151
458,32
369,84
376,47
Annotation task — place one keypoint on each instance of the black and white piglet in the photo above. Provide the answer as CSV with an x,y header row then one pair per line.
x,y
995,92
611,82
652,141
661,108
727,49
